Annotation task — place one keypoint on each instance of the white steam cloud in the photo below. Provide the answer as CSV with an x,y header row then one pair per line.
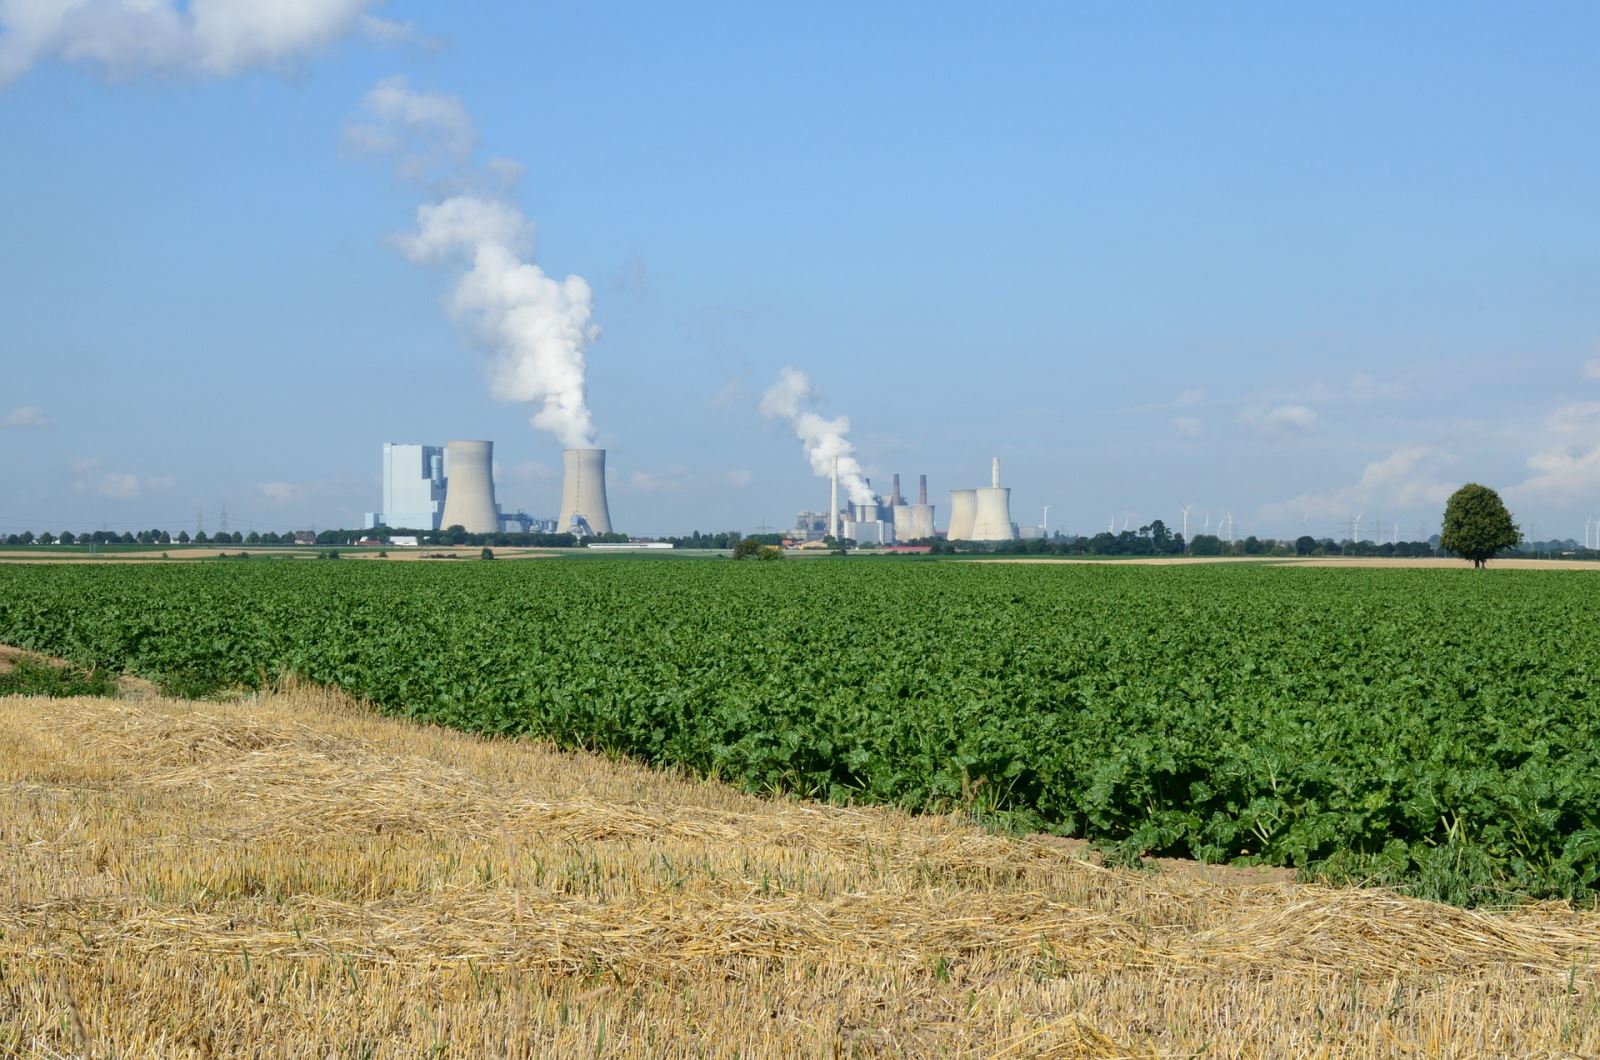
x,y
823,438
216,38
535,326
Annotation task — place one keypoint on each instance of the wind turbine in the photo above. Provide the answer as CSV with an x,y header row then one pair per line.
x,y
1355,528
1185,509
1230,527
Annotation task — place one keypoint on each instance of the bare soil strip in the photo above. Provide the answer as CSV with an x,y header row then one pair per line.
x,y
292,875
1374,562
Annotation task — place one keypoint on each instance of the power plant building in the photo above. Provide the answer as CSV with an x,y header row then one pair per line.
x,y
413,487
433,487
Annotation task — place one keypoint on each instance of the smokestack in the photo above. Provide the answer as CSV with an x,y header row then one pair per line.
x,y
895,497
996,474
583,492
469,492
833,513
922,489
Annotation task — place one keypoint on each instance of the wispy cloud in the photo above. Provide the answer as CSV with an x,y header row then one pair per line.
x,y
1189,426
1281,419
23,417
739,478
1566,467
119,485
645,482
1591,368
282,492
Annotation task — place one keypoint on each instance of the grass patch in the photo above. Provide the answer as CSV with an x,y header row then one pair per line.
x,y
30,677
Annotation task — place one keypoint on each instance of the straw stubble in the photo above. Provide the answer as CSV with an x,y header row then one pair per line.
x,y
294,875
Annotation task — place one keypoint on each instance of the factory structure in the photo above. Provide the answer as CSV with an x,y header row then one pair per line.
x,y
982,514
430,487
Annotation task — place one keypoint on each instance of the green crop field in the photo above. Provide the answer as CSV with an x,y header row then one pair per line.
x,y
1431,729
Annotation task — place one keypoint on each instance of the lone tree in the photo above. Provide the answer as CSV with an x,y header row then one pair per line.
x,y
1477,525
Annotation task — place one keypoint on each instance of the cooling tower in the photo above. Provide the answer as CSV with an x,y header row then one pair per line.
x,y
992,517
913,522
583,491
469,488
963,512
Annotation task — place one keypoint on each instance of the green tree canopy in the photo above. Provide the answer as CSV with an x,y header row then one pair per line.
x,y
1477,525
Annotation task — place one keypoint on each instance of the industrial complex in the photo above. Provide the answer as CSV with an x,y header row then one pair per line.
x,y
975,515
430,487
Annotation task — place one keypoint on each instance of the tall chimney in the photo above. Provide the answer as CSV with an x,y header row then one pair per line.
x,y
583,491
895,498
922,489
833,513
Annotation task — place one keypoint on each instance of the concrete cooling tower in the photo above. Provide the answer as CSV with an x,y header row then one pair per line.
x,y
469,487
583,492
913,522
963,513
992,517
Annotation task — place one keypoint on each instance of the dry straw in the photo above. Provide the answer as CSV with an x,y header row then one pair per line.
x,y
294,876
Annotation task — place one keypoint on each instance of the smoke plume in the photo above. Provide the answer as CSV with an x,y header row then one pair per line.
x,y
824,439
535,326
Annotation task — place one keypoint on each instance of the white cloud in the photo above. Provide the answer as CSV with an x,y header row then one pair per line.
x,y
85,465
1281,419
1567,469
1406,481
739,478
282,492
1561,475
218,38
1189,398
1189,426
645,482
119,485
24,416
1591,368
1582,417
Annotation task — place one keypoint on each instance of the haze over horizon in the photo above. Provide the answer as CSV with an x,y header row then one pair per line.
x,y
1290,265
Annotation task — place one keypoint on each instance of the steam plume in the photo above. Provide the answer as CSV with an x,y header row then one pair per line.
x,y
536,327
823,438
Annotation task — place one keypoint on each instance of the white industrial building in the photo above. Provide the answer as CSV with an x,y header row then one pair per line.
x,y
413,487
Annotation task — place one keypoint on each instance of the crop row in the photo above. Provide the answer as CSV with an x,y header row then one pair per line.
x,y
1434,729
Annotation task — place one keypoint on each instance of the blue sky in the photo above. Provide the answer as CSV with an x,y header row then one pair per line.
x,y
1293,266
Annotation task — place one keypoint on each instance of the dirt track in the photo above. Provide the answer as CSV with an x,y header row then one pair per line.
x,y
1376,562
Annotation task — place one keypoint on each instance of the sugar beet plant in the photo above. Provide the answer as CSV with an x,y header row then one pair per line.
x,y
1434,730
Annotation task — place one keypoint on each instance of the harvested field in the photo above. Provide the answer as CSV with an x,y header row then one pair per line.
x,y
293,875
